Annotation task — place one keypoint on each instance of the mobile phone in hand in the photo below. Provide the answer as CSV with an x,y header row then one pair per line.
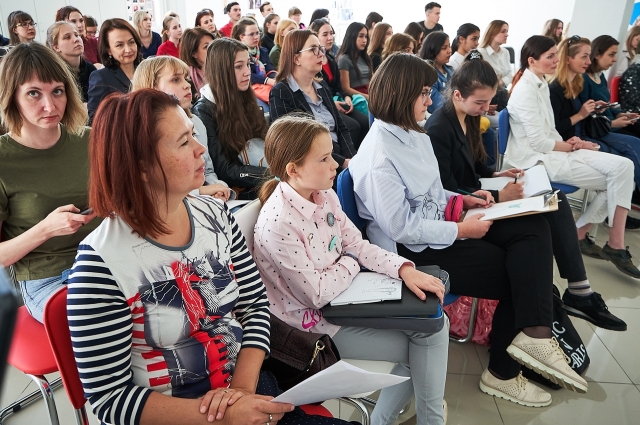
x,y
344,105
87,211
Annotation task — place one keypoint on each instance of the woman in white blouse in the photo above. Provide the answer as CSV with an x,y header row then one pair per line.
x,y
494,37
533,138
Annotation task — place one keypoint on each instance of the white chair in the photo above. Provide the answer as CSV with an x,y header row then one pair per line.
x,y
246,218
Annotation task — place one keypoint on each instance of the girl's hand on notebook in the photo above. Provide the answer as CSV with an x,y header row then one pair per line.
x,y
418,282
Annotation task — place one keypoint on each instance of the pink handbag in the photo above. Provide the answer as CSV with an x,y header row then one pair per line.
x,y
459,312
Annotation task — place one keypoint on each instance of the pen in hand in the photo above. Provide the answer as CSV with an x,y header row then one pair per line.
x,y
464,192
516,179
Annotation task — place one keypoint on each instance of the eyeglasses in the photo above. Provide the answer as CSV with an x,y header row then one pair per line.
x,y
426,94
574,39
91,33
26,24
253,34
316,50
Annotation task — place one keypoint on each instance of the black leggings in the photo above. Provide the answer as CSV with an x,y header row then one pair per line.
x,y
512,263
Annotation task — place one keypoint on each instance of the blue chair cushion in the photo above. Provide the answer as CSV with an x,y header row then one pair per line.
x,y
503,131
564,187
348,199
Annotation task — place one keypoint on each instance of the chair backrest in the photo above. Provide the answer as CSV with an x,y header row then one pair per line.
x,y
57,327
8,311
512,54
503,131
371,119
615,89
246,218
347,198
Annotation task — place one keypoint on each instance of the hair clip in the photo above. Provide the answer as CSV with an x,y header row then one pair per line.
x,y
474,54
277,178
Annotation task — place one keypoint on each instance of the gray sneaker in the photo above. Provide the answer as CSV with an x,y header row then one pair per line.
x,y
589,248
621,258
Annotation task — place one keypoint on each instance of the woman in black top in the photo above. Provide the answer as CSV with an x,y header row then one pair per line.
x,y
65,40
269,31
297,90
356,122
461,158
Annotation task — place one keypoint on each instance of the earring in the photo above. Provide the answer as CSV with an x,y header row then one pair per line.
x,y
110,57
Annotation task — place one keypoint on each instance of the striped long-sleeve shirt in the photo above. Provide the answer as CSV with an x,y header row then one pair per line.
x,y
147,317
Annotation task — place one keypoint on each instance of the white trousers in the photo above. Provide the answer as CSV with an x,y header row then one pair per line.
x,y
611,176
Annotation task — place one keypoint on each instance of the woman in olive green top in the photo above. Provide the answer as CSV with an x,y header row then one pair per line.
x,y
44,169
285,26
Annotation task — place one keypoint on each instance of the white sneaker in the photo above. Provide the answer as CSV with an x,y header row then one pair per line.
x,y
546,358
518,390
445,410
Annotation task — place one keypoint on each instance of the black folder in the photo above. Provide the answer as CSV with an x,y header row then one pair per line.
x,y
408,306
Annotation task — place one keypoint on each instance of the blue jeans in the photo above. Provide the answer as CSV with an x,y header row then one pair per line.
x,y
36,293
623,145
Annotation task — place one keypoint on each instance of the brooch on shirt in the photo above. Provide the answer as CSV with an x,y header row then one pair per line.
x,y
333,242
331,219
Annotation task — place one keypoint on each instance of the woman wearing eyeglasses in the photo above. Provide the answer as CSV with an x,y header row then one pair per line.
x,y
151,40
262,70
298,90
22,27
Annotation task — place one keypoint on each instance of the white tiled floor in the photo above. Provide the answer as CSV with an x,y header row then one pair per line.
x,y
614,375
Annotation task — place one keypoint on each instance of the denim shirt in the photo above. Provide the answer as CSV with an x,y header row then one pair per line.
x,y
398,190
437,95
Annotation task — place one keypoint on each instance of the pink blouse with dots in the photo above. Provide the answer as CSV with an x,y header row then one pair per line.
x,y
300,267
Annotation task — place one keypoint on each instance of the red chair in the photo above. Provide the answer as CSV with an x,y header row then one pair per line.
x,y
615,88
57,327
31,354
316,409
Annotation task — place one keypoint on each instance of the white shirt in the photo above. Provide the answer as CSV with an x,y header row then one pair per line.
x,y
500,63
455,61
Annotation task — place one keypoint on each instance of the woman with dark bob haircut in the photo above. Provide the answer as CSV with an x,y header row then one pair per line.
x,y
399,191
167,312
43,171
120,50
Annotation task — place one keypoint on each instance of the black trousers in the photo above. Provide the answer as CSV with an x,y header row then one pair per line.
x,y
512,263
358,126
564,236
630,130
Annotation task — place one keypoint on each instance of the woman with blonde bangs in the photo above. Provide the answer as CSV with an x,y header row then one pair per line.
x,y
285,26
570,112
44,169
399,42
379,35
233,120
169,75
65,40
151,40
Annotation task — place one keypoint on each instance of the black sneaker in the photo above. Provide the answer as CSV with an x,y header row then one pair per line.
x,y
621,258
589,248
592,308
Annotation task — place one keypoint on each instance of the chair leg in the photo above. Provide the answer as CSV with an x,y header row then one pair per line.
x,y
81,416
47,395
472,324
27,400
364,412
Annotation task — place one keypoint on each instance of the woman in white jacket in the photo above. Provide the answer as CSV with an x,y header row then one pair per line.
x,y
533,138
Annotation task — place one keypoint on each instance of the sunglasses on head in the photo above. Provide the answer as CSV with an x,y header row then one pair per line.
x,y
574,39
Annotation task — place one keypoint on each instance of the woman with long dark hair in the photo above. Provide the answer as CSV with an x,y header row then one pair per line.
x,y
269,31
193,52
436,48
553,29
235,123
467,39
354,63
415,30
379,36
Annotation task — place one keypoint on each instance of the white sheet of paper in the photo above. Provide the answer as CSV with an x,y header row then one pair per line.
x,y
339,380
536,181
370,287
506,209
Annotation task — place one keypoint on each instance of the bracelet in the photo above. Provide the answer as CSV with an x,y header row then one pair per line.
x,y
265,80
348,254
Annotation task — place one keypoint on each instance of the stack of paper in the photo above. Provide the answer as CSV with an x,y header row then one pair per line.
x,y
536,182
369,287
514,208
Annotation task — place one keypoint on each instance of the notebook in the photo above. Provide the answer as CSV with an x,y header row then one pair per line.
x,y
370,287
536,182
516,208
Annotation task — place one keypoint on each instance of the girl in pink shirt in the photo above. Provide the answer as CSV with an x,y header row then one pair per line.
x,y
308,252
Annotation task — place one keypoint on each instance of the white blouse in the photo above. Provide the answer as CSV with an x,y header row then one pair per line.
x,y
500,62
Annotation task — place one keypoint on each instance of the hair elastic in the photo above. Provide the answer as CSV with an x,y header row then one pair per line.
x,y
277,178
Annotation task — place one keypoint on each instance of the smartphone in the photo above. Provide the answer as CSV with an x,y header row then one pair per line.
x,y
345,106
87,211
634,119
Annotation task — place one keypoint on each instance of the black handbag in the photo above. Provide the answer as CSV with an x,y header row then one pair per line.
x,y
568,339
297,355
596,126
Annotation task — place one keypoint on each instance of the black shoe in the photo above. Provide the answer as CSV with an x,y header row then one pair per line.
x,y
630,224
621,258
592,308
589,248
